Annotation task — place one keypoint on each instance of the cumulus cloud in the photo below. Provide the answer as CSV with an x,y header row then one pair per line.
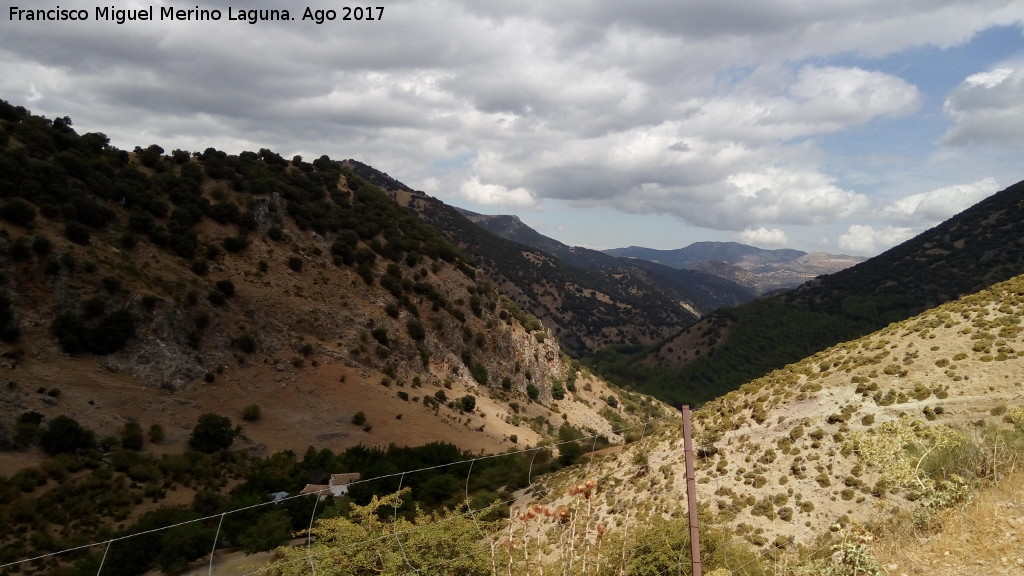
x,y
861,239
813,100
929,208
774,237
496,194
988,107
715,112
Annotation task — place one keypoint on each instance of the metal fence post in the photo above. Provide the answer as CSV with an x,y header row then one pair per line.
x,y
691,493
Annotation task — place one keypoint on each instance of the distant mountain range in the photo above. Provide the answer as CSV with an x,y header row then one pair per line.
x,y
759,269
756,269
965,254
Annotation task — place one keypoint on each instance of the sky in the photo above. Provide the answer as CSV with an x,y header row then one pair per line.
x,y
845,126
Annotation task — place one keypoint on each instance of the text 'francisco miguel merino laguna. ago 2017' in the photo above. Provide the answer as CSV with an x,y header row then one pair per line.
x,y
197,14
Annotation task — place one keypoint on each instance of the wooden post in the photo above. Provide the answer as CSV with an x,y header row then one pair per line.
x,y
691,493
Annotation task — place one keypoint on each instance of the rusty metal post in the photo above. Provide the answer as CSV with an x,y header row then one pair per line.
x,y
691,493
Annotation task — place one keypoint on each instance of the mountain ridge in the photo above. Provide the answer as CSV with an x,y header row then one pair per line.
x,y
759,269
972,250
208,282
586,308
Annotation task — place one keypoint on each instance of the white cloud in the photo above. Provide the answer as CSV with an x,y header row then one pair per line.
x,y
496,194
989,79
861,239
718,113
988,108
792,196
774,237
930,208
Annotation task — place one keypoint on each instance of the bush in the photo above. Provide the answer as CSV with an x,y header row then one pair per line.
x,y
479,372
295,263
416,330
251,413
557,390
131,436
18,212
64,434
235,243
246,343
41,245
216,297
212,433
77,233
9,331
569,453
112,333
200,266
359,418
271,530
156,434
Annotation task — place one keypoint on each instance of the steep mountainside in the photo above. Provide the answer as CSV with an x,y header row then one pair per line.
x,y
151,287
980,246
881,431
586,310
758,269
706,292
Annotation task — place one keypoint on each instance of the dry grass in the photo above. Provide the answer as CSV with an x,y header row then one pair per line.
x,y
986,536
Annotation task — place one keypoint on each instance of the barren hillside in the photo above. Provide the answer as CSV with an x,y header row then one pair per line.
x,y
791,456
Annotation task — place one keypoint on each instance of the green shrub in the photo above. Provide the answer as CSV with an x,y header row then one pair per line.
x,y
244,342
63,434
479,372
359,418
235,244
110,335
251,413
557,390
77,233
156,434
212,433
131,436
18,212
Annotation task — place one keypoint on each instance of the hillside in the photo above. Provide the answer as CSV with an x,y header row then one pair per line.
x,y
883,433
875,456
757,269
972,250
152,287
586,310
703,290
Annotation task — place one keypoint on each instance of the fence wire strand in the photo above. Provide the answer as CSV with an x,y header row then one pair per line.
x,y
533,491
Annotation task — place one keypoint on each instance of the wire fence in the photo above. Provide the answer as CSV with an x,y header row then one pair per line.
x,y
534,494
